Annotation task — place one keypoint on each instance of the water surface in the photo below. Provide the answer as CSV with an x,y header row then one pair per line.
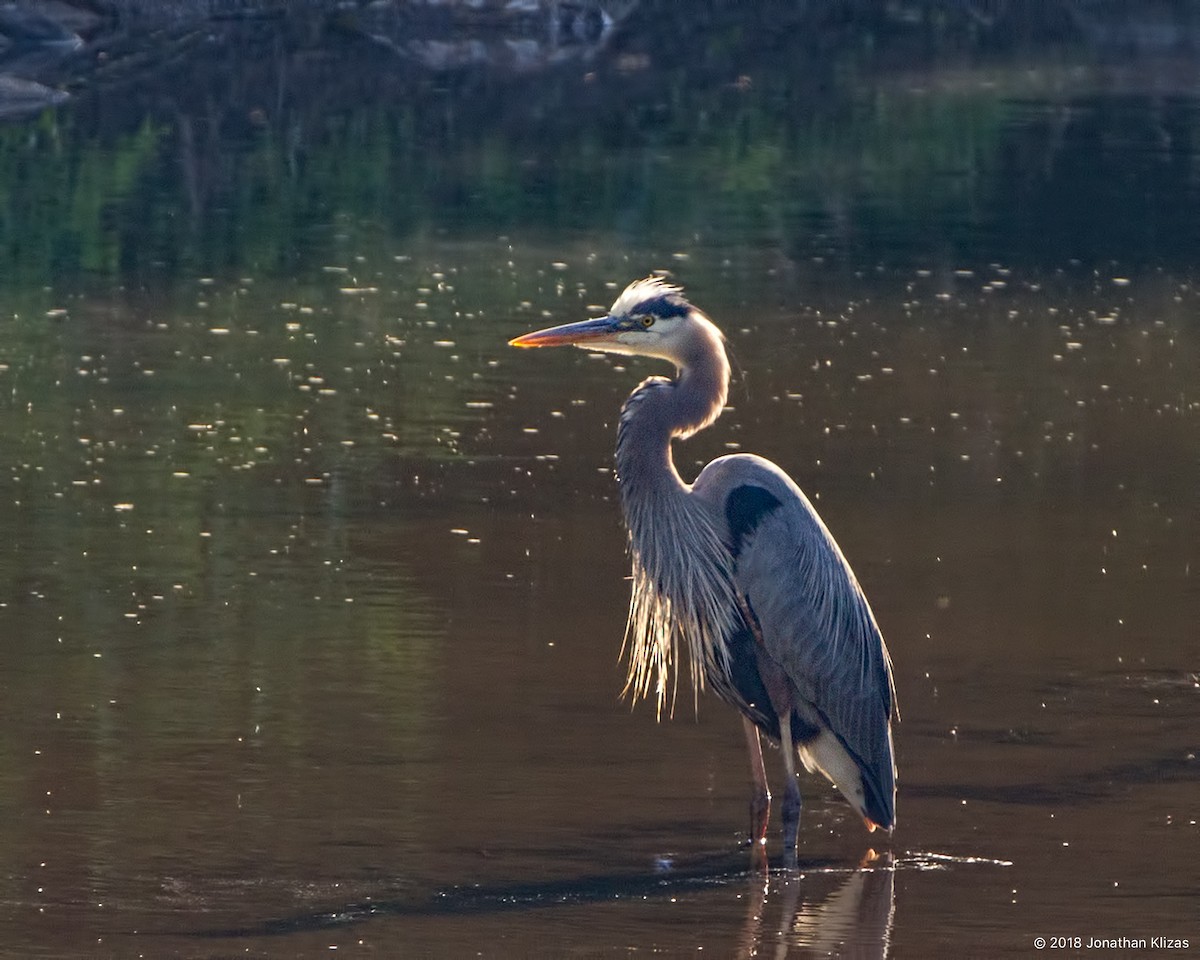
x,y
311,590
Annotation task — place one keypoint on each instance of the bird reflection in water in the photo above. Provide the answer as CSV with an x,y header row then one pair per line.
x,y
821,914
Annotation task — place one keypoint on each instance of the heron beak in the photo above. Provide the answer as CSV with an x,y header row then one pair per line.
x,y
579,334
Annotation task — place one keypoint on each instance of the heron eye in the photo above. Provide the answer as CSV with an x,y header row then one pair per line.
x,y
647,320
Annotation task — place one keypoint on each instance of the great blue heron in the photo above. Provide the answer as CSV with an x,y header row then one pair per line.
x,y
738,568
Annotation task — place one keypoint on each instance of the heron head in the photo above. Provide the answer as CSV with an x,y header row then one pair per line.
x,y
651,318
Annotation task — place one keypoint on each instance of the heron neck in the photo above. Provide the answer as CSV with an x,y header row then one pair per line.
x,y
682,586
658,411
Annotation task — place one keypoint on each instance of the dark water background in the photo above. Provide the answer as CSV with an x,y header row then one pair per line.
x,y
311,590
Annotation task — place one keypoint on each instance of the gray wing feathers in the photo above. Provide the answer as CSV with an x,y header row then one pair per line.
x,y
814,619
817,625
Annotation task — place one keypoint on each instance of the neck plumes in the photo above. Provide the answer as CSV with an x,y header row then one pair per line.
x,y
682,577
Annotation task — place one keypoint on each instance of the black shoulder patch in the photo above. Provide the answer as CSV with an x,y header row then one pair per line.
x,y
745,508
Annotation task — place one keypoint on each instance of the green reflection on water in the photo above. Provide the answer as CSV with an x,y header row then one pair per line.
x,y
63,194
763,164
872,146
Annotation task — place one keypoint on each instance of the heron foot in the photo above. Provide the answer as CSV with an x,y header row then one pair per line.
x,y
791,822
760,815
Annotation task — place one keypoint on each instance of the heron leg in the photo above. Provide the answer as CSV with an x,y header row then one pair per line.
x,y
760,793
791,791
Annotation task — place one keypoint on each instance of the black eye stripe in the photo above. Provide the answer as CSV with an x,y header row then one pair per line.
x,y
668,305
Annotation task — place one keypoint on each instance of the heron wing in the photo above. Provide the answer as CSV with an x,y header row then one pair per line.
x,y
809,611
